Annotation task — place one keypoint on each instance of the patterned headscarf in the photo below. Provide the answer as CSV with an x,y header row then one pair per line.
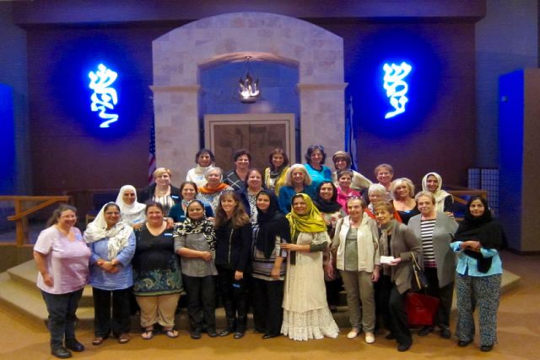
x,y
202,226
118,235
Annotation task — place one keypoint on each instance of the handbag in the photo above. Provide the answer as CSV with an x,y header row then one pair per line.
x,y
421,309
419,280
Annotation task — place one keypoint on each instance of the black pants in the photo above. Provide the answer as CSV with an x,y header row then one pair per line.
x,y
391,305
382,296
119,320
235,297
62,308
398,316
267,310
201,307
445,294
333,287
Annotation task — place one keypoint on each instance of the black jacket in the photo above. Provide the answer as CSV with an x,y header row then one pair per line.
x,y
148,192
233,247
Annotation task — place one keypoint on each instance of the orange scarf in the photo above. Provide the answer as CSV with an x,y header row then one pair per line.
x,y
206,190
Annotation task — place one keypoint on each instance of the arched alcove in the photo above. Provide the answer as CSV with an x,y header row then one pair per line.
x,y
179,54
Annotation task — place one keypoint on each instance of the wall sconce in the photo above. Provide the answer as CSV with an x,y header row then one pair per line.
x,y
248,88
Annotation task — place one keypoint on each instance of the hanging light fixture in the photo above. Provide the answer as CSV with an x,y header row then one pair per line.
x,y
247,87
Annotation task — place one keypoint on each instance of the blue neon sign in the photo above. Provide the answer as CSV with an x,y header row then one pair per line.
x,y
396,88
104,97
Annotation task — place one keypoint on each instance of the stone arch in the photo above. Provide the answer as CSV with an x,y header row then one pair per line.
x,y
178,55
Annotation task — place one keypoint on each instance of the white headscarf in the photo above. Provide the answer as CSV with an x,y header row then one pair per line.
x,y
439,194
118,235
131,214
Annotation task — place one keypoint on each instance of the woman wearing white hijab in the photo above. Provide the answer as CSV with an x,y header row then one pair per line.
x,y
432,182
113,245
131,210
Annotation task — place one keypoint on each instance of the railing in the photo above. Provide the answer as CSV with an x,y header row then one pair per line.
x,y
21,214
462,196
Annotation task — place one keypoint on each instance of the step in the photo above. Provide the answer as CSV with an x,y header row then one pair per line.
x,y
26,274
29,301
19,292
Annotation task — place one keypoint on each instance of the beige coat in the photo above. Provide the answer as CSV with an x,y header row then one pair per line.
x,y
367,243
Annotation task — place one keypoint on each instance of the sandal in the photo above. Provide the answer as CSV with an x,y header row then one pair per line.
x,y
148,334
123,339
98,340
171,333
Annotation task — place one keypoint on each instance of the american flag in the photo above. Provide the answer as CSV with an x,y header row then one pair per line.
x,y
152,154
350,137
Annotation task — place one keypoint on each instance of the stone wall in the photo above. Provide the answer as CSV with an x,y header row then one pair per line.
x,y
179,54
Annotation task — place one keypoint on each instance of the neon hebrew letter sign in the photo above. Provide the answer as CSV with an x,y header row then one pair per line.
x,y
104,97
396,88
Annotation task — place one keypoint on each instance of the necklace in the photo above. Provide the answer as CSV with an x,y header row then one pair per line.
x,y
161,192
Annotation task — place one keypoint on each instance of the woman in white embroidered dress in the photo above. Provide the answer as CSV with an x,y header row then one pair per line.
x,y
306,314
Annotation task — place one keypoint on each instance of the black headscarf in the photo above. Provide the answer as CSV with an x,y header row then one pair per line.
x,y
328,207
484,229
272,223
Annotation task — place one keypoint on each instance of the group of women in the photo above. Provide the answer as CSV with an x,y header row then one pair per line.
x,y
274,239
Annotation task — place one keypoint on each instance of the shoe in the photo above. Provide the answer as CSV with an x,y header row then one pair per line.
x,y
403,347
171,333
424,331
196,334
238,335
464,343
390,336
370,337
61,352
212,333
353,333
98,340
74,345
486,348
446,333
225,332
124,338
268,336
148,334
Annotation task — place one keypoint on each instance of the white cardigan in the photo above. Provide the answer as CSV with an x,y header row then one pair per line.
x,y
367,243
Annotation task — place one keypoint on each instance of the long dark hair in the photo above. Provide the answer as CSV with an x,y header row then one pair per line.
x,y
239,217
278,151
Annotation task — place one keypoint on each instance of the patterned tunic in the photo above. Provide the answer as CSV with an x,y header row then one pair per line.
x,y
155,265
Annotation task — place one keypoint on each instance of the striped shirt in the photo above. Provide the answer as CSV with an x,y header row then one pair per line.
x,y
427,228
262,267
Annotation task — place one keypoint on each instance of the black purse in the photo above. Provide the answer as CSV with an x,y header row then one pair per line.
x,y
419,280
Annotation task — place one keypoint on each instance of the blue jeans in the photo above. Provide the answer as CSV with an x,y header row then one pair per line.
x,y
62,308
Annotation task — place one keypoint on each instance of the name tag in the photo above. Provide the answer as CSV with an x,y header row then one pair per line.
x,y
168,234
